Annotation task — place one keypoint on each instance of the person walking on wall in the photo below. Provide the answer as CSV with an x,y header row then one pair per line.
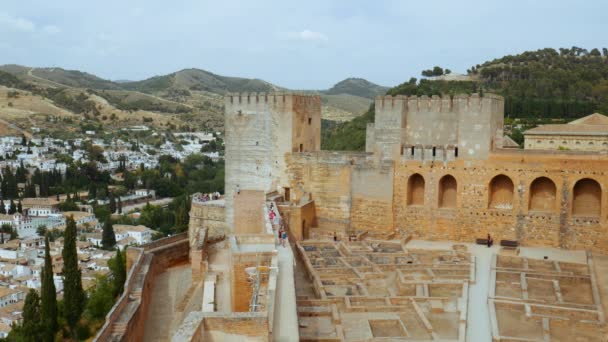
x,y
283,237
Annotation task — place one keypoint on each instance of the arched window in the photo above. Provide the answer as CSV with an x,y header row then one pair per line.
x,y
447,192
501,193
587,198
542,194
415,190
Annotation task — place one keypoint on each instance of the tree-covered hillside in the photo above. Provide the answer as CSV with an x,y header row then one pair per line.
x,y
542,84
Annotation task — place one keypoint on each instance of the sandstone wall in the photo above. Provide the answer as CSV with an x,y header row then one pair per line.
x,y
299,218
327,177
209,215
555,225
126,320
248,216
358,193
372,198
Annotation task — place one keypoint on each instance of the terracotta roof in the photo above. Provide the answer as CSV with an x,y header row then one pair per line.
x,y
593,119
594,124
30,201
130,228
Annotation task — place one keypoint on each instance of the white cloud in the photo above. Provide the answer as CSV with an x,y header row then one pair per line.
x,y
307,35
16,23
51,29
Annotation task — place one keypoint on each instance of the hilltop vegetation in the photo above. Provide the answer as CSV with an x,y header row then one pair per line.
x,y
536,85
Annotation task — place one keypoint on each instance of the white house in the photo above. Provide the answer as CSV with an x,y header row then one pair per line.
x,y
10,296
140,234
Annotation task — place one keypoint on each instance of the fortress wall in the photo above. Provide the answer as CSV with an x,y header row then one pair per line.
x,y
356,193
372,199
472,122
480,122
126,320
555,226
431,121
209,215
327,177
370,137
260,130
248,218
306,123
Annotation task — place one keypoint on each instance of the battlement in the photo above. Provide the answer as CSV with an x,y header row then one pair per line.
x,y
446,104
271,98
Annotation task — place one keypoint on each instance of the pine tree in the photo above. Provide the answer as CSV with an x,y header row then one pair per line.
x,y
2,207
108,238
49,295
72,283
112,203
12,208
19,207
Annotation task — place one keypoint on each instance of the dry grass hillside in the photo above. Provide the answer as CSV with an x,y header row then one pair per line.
x,y
65,100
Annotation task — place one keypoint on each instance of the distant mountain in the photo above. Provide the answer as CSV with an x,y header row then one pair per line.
x,y
192,95
59,76
358,87
200,80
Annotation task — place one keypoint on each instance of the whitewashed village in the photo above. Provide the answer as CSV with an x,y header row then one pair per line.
x,y
39,194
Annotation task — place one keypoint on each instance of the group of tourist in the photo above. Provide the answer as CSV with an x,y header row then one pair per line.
x,y
201,198
277,221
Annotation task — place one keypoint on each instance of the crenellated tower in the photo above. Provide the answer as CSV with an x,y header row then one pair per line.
x,y
260,130
467,126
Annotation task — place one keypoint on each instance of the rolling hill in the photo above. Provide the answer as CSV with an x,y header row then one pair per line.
x,y
186,98
357,87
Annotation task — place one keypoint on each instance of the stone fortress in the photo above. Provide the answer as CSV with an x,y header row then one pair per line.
x,y
382,242
434,168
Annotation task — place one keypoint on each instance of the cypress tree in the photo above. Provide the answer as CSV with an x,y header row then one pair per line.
x,y
2,207
108,237
11,184
119,205
72,281
112,203
30,329
49,295
12,208
119,272
19,207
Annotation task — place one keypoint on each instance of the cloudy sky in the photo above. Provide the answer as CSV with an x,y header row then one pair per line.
x,y
300,45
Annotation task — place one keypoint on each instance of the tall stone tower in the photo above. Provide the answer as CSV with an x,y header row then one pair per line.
x,y
467,127
260,130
